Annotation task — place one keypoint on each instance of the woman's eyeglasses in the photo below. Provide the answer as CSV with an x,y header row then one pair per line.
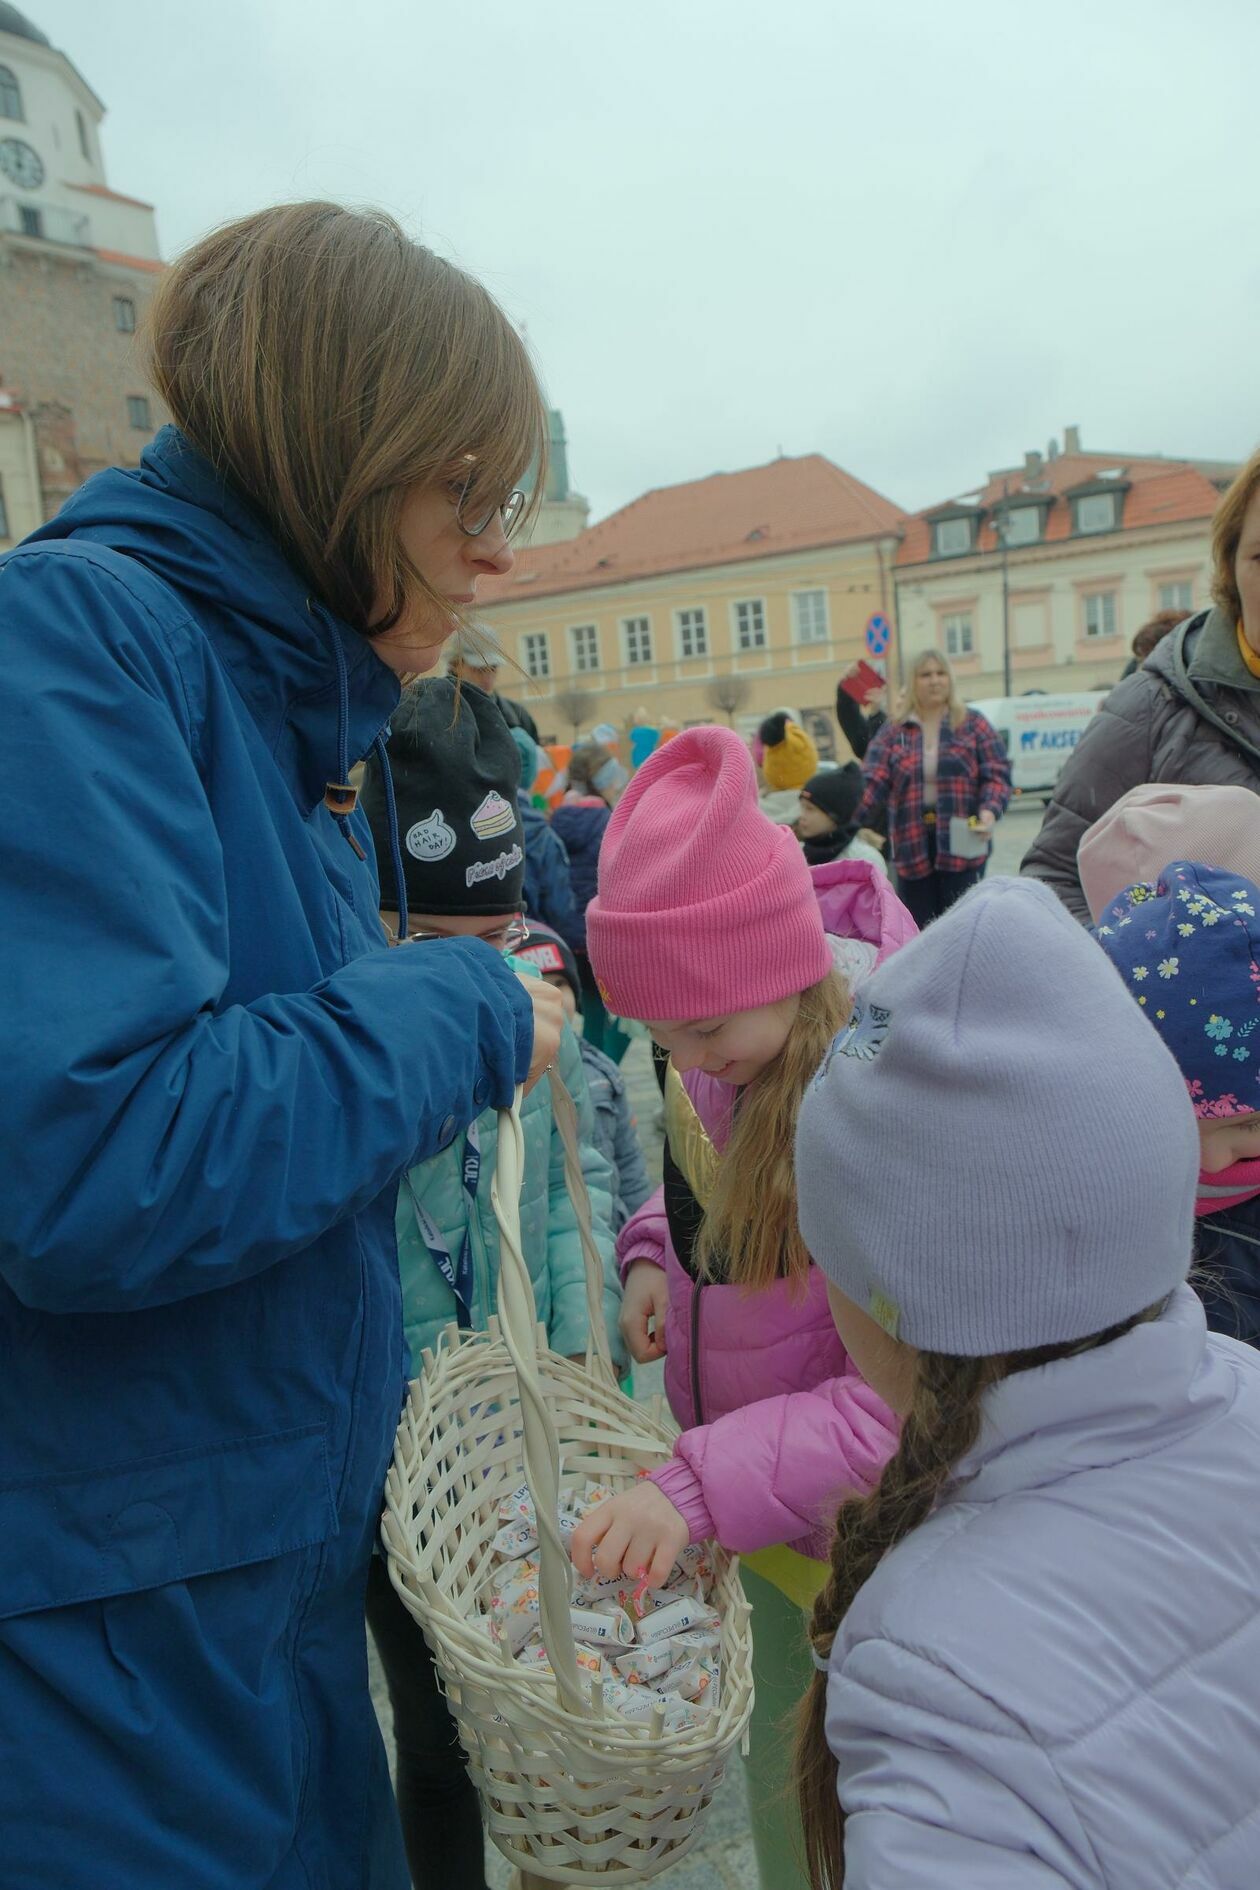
x,y
506,939
473,514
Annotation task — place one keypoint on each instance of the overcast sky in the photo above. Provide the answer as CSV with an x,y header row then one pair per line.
x,y
919,238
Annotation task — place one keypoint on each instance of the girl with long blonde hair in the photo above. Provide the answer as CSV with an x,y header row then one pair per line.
x,y
939,773
709,926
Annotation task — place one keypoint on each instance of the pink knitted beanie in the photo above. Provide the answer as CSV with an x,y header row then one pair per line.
x,y
704,906
1153,825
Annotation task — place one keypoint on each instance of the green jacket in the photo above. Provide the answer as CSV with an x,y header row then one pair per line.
x,y
549,1233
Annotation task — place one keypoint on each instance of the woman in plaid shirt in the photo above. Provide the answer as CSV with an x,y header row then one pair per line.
x,y
936,761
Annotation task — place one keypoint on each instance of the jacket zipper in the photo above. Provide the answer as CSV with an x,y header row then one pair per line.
x,y
697,1402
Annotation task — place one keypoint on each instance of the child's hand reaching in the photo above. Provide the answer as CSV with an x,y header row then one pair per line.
x,y
639,1532
644,1304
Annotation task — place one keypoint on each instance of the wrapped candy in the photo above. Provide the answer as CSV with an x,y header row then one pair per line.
x,y
666,1622
519,1507
643,1664
600,1627
515,1539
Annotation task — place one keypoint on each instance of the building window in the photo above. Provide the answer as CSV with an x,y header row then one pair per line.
x,y
1100,614
959,634
1096,512
951,537
81,125
1176,596
138,413
750,624
809,616
693,634
124,315
30,221
537,655
4,514
1022,525
10,94
584,642
637,632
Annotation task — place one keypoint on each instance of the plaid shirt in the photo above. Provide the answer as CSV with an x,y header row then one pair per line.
x,y
972,773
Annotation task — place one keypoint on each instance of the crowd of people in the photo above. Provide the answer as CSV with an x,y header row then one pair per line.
x,y
954,1267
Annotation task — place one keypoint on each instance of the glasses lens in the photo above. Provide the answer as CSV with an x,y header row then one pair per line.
x,y
512,513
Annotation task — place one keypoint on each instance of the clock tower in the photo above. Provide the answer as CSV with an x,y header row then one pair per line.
x,y
77,263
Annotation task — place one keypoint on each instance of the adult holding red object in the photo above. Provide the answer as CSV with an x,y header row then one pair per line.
x,y
217,1069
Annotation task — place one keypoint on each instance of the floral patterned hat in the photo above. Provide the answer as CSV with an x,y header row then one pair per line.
x,y
1188,946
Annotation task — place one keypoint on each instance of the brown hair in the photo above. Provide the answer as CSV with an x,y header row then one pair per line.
x,y
942,1426
1154,631
327,366
585,763
1226,532
956,711
750,1220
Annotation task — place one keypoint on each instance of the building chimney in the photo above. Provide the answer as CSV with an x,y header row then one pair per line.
x,y
1032,466
1071,439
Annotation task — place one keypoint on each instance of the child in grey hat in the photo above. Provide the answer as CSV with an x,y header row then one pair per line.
x,y
1038,1642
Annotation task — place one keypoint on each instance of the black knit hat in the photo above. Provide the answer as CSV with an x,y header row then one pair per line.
x,y
836,791
456,770
547,950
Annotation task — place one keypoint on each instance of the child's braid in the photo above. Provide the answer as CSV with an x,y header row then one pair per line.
x,y
943,1425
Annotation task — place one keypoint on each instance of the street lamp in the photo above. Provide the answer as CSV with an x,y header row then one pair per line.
x,y
1001,523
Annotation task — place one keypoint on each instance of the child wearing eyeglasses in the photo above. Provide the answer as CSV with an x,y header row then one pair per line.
x,y
456,770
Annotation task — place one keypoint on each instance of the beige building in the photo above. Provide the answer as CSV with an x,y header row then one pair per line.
x,y
720,599
77,264
1039,579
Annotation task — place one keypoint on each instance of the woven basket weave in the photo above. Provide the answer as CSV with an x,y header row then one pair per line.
x,y
571,1791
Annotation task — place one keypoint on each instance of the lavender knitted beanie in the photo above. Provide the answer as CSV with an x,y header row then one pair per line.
x,y
998,1152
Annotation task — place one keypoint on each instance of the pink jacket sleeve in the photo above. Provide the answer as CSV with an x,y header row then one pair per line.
x,y
775,1470
645,1235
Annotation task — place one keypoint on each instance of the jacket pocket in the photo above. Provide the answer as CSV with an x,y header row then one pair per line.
x,y
85,1535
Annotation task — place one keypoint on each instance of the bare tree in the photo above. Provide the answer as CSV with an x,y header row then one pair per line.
x,y
728,694
576,706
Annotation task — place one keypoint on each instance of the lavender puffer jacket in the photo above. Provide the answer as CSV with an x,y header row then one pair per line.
x,y
778,1426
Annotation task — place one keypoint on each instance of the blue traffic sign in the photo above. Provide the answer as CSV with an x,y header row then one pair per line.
x,y
878,633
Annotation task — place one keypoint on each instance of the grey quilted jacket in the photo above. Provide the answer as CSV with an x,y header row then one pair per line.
x,y
1190,714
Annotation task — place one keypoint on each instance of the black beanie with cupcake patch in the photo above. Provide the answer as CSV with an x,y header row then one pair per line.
x,y
456,770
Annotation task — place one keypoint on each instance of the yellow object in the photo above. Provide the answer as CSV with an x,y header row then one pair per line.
x,y
689,1141
791,762
799,1577
1248,655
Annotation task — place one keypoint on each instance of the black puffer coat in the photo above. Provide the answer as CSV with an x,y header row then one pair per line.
x,y
1190,714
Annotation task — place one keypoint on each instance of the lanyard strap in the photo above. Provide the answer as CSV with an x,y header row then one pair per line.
x,y
458,1274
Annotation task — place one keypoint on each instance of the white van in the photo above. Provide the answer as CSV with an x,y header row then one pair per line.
x,y
1040,733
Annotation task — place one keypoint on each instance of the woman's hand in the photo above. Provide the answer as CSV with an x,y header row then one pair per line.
x,y
988,819
644,1304
548,1024
639,1532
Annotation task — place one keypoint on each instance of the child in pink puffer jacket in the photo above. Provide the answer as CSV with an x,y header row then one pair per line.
x,y
709,926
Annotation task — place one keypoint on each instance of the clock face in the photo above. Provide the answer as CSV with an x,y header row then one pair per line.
x,y
20,164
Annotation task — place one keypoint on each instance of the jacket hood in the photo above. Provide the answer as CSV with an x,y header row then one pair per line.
x,y
1200,659
175,515
857,902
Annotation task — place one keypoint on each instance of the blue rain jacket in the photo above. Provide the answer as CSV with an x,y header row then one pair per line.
x,y
215,1074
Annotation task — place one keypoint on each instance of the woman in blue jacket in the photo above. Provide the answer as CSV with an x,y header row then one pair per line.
x,y
216,1071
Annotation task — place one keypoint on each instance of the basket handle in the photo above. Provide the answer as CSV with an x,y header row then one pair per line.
x,y
518,1320
564,1114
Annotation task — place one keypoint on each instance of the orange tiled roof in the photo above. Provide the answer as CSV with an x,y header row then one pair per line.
x,y
1160,492
115,196
789,505
130,262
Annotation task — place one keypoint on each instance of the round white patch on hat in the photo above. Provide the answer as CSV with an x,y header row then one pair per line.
x,y
430,839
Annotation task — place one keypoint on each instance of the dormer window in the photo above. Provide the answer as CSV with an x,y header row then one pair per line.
x,y
1023,524
954,537
1096,512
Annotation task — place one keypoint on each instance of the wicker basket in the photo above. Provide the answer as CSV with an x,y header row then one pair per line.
x,y
571,1791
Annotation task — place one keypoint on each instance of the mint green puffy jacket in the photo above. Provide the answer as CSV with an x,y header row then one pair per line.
x,y
549,1233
